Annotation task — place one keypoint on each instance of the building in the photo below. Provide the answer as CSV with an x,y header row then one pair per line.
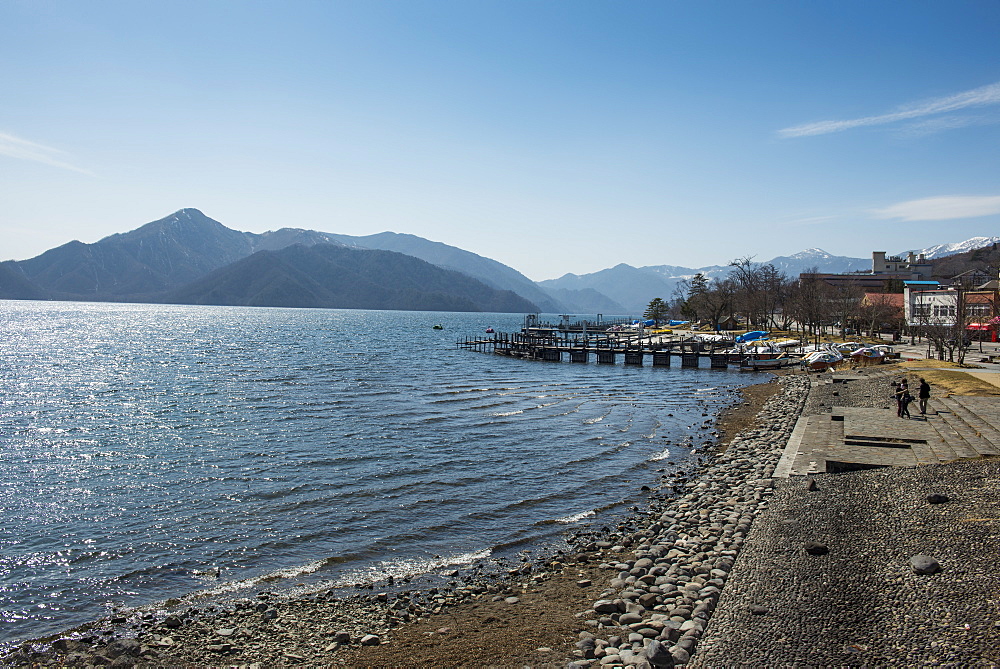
x,y
931,304
885,270
913,268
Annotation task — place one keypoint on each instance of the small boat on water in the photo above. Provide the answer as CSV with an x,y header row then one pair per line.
x,y
438,327
490,330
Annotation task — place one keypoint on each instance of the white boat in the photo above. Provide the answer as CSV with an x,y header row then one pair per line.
x,y
754,362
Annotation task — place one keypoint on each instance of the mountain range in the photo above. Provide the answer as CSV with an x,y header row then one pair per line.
x,y
942,250
190,258
634,287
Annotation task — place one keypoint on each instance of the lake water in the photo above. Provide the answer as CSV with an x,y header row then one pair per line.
x,y
142,445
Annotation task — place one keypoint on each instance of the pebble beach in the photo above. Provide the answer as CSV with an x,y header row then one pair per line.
x,y
725,566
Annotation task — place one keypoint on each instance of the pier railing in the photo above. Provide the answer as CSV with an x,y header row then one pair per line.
x,y
634,348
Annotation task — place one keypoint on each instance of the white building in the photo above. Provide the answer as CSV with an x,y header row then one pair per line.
x,y
912,267
929,303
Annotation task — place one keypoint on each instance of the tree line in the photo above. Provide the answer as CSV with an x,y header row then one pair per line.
x,y
759,296
762,297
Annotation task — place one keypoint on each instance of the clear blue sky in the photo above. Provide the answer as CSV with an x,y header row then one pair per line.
x,y
555,137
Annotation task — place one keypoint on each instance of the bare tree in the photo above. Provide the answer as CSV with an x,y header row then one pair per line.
x,y
844,301
878,311
760,290
806,302
940,320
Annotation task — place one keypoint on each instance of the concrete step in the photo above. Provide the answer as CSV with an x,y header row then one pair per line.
x,y
942,450
985,437
818,433
953,430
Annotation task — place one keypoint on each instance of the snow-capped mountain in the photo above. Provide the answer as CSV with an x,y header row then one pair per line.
x,y
807,260
633,287
941,250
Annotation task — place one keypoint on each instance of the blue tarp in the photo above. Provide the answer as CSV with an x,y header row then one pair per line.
x,y
752,336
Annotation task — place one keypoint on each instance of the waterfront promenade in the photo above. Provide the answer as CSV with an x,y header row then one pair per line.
x,y
860,601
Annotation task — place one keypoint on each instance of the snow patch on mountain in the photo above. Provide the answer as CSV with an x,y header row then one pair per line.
x,y
941,250
810,254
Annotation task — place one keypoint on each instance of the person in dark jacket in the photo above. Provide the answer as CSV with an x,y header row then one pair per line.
x,y
901,391
907,398
923,394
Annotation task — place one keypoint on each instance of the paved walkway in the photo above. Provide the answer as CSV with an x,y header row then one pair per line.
x,y
848,438
826,576
972,357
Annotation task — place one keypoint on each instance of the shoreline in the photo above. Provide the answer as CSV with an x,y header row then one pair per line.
x,y
463,620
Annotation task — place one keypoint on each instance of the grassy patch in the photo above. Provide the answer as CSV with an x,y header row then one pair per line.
x,y
947,377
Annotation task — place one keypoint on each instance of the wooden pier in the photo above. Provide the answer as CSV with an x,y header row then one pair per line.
x,y
606,348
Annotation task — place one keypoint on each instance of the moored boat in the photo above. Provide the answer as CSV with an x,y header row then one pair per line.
x,y
823,359
753,362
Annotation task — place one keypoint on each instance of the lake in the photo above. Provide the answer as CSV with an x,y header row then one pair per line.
x,y
144,447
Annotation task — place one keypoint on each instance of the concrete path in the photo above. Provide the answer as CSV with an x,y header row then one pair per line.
x,y
849,438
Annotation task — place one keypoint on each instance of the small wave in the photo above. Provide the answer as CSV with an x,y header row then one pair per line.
x,y
458,390
663,455
591,421
576,517
507,413
277,575
490,405
407,568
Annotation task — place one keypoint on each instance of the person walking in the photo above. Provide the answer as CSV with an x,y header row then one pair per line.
x,y
907,398
901,390
923,394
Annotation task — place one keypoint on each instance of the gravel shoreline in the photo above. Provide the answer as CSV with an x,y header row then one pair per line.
x,y
653,583
832,574
662,596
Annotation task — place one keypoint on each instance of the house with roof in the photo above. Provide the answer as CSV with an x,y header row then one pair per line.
x,y
933,304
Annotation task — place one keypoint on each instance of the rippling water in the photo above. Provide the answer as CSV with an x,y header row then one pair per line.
x,y
141,445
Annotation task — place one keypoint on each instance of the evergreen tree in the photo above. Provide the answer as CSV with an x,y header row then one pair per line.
x,y
699,285
657,309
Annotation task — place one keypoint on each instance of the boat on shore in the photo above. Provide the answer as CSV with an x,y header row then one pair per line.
x,y
753,362
823,359
756,350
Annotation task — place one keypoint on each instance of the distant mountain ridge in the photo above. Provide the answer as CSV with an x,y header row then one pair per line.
x,y
335,276
173,260
942,250
634,287
488,271
177,258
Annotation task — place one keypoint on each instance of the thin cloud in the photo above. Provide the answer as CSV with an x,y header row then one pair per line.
x,y
977,97
942,208
810,220
931,126
22,149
